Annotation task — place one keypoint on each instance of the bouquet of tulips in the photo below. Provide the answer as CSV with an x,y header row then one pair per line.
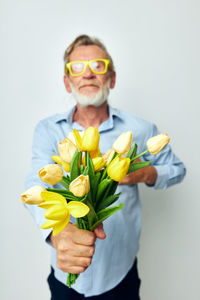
x,y
90,185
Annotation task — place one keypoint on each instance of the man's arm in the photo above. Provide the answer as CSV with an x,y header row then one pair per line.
x,y
146,175
75,247
166,168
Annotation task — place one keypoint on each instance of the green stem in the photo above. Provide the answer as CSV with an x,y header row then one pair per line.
x,y
71,278
139,155
104,174
81,161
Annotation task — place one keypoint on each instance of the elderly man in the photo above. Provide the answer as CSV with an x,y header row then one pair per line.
x,y
106,258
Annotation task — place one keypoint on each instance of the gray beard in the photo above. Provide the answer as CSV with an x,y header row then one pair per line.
x,y
95,100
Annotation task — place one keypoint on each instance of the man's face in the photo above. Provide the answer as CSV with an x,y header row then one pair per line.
x,y
89,88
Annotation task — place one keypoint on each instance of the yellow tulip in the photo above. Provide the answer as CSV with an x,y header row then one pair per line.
x,y
108,156
32,195
66,166
157,143
122,144
98,163
66,150
95,153
72,137
58,211
51,174
90,140
80,186
118,168
58,160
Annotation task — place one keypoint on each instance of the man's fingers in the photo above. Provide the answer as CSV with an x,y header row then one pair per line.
x,y
66,263
78,236
128,179
81,250
81,261
72,269
99,232
73,261
84,237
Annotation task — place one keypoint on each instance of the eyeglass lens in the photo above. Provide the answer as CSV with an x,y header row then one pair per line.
x,y
97,66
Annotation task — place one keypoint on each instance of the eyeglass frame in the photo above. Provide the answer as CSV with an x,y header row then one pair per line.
x,y
88,63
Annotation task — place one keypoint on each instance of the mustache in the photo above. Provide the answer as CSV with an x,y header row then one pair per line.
x,y
88,83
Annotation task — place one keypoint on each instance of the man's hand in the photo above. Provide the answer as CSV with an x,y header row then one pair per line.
x,y
75,247
147,175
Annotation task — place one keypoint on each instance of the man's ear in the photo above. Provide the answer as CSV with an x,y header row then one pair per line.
x,y
66,83
113,80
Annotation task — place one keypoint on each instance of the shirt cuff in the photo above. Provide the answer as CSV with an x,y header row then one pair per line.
x,y
162,178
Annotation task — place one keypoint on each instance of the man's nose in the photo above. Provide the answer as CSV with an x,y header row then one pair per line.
x,y
88,73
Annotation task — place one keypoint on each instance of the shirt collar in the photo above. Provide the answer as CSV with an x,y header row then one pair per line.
x,y
68,117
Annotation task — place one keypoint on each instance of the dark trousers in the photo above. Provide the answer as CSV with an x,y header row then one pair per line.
x,y
127,289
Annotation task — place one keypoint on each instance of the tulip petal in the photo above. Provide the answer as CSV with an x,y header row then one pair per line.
x,y
47,204
66,166
108,156
78,139
157,143
66,149
57,159
118,168
90,139
56,212
49,224
52,196
98,163
60,225
77,209
80,186
122,144
95,153
32,195
51,174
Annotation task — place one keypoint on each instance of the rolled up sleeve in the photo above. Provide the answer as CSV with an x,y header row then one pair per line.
x,y
170,170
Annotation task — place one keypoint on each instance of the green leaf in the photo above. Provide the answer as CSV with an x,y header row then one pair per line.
x,y
82,224
86,171
138,165
91,216
98,176
65,182
82,169
107,202
92,177
102,187
67,194
89,164
113,187
105,213
104,173
59,191
96,184
74,166
132,152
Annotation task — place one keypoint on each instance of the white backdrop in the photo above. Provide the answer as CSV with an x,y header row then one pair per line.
x,y
155,47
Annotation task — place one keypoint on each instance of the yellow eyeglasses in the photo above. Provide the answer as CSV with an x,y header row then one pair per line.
x,y
97,66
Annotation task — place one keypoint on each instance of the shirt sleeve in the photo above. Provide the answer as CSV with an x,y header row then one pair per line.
x,y
42,150
170,169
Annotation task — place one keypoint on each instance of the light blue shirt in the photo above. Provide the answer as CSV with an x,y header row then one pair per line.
x,y
115,255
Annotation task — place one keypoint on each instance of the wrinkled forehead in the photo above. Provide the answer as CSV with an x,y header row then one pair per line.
x,y
87,53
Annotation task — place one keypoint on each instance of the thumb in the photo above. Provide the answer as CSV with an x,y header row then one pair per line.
x,y
99,232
